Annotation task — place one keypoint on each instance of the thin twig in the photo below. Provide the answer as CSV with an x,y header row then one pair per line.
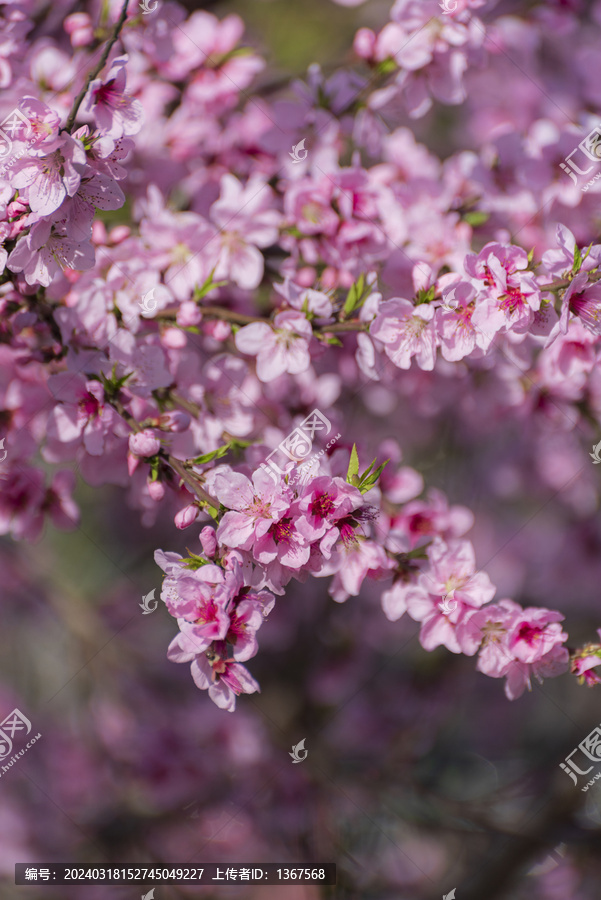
x,y
92,75
172,461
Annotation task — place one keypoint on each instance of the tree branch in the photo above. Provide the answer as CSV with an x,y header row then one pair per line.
x,y
92,75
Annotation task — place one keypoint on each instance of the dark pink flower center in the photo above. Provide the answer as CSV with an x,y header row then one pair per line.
x,y
208,613
322,506
89,405
107,95
529,633
347,533
282,531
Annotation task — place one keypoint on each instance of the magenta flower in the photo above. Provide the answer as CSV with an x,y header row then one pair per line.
x,y
323,502
284,543
21,499
534,633
116,113
225,680
245,621
560,262
458,334
80,414
253,507
281,348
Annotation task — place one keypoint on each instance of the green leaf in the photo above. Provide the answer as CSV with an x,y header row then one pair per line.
x,y
476,217
336,342
194,561
354,297
112,385
387,66
209,285
209,457
369,480
219,452
577,260
352,475
423,296
155,463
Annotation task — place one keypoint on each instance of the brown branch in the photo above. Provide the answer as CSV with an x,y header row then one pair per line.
x,y
176,464
92,75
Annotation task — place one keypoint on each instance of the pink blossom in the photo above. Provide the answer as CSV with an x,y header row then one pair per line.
x,y
535,632
281,348
252,507
450,588
406,331
308,206
80,413
116,113
246,220
79,28
48,178
225,680
45,253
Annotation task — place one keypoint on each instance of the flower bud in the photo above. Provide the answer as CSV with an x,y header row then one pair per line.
x,y
156,489
186,516
365,43
208,540
217,329
188,314
144,443
174,339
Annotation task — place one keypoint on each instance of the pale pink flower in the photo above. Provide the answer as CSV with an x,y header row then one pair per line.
x,y
283,347
445,592
47,178
246,221
406,331
45,253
